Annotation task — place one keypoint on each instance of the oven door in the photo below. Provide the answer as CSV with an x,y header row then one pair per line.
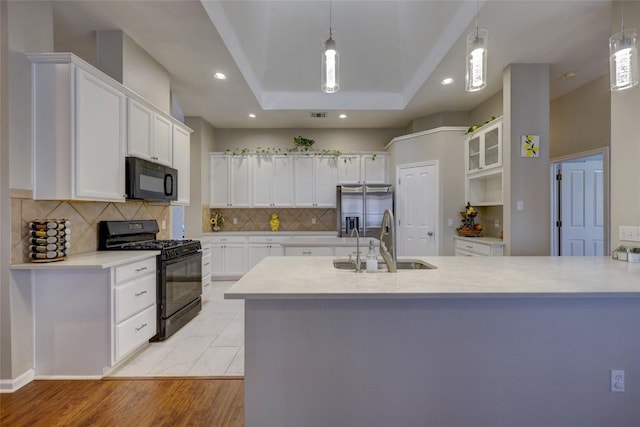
x,y
180,283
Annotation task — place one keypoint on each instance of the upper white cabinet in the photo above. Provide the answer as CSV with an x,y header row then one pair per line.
x,y
484,147
149,134
484,180
315,180
181,156
230,181
368,168
272,181
79,131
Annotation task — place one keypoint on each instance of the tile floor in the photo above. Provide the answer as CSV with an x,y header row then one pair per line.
x,y
212,344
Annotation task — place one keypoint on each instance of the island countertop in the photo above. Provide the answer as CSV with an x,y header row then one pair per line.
x,y
453,277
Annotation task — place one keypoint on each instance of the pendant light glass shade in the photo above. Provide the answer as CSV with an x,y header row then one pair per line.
x,y
330,67
623,59
476,75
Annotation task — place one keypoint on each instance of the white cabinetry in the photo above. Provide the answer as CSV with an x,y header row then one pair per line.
x,y
78,131
228,257
149,134
264,246
134,306
484,180
308,251
368,168
181,158
478,246
230,181
87,319
315,180
206,270
272,181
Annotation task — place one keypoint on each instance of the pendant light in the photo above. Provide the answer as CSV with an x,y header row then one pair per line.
x,y
477,42
623,57
330,62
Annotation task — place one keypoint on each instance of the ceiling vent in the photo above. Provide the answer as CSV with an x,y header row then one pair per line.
x,y
318,115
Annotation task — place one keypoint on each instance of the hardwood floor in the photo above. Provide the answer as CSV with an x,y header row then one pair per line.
x,y
126,402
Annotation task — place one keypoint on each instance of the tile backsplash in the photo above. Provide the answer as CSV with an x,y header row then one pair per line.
x,y
84,218
291,219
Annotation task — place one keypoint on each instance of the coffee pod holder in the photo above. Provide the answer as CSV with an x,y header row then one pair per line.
x,y
49,240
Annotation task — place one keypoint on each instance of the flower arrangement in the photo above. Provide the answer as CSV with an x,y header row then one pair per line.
x,y
216,221
468,226
479,125
303,143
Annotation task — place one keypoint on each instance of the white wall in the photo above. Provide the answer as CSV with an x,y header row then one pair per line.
x,y
29,29
581,119
446,146
625,142
330,139
526,112
119,56
202,142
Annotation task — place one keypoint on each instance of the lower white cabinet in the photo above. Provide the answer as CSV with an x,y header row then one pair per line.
x,y
206,271
228,257
89,318
135,331
134,306
309,251
478,246
263,246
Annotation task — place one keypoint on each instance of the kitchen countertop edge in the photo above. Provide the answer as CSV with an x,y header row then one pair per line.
x,y
86,260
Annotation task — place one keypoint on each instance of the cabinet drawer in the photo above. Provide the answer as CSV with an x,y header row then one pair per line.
x,y
136,269
227,239
134,296
309,251
134,332
206,264
477,248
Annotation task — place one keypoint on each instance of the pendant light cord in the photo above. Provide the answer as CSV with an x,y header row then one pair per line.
x,y
476,18
330,17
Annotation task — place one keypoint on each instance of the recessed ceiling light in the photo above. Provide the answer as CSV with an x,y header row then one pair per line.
x,y
252,116
220,76
342,116
447,81
568,75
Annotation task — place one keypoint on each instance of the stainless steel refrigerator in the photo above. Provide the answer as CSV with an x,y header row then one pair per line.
x,y
361,206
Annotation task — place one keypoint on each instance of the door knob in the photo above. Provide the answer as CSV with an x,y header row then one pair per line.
x,y
430,233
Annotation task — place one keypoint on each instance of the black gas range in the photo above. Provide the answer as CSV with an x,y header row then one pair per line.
x,y
179,270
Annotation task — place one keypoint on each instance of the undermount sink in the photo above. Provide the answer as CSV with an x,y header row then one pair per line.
x,y
405,264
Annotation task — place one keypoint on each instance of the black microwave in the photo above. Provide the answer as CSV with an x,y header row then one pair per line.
x,y
150,181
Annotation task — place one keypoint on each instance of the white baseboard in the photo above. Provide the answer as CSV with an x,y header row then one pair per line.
x,y
9,386
69,377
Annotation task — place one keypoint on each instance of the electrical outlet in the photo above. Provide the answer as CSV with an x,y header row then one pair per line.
x,y
617,380
520,205
496,223
235,220
313,220
629,233
163,225
450,222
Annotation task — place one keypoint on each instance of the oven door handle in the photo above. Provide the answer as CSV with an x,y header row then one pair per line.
x,y
168,189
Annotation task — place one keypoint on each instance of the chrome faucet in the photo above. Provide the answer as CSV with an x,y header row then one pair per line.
x,y
388,241
358,261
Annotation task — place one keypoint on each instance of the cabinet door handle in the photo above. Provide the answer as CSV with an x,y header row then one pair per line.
x,y
469,247
206,264
144,325
140,293
138,270
306,253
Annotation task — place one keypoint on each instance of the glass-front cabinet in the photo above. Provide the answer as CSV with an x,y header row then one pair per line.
x,y
484,147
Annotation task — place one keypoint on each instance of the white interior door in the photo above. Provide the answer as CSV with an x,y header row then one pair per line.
x,y
581,209
416,210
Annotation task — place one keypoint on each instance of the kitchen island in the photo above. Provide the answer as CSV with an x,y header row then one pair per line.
x,y
505,341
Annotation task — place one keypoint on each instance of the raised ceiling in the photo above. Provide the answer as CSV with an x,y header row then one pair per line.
x,y
394,54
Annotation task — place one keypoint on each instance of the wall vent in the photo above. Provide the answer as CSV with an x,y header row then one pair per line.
x,y
318,115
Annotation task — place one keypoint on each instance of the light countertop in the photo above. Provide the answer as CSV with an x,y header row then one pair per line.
x,y
328,241
454,277
485,240
266,233
98,259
